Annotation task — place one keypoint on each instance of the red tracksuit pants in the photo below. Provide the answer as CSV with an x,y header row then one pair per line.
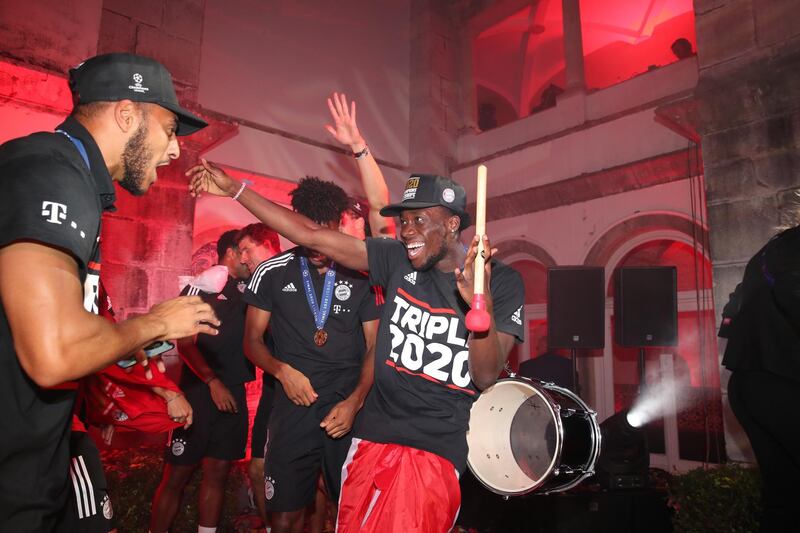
x,y
392,488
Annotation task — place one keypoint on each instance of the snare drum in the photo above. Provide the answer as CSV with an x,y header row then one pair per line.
x,y
527,436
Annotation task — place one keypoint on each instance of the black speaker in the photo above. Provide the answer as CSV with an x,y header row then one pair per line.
x,y
646,306
575,302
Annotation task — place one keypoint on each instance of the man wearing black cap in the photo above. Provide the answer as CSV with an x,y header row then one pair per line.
x,y
55,189
410,438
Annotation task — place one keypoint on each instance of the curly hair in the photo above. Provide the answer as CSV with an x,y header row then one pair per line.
x,y
321,201
262,234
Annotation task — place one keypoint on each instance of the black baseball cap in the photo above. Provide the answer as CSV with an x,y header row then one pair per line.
x,y
428,190
115,77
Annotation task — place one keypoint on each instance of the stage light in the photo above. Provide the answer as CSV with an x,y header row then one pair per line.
x,y
635,419
624,459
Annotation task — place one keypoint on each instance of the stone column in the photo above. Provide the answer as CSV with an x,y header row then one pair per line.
x,y
573,46
435,101
748,97
469,99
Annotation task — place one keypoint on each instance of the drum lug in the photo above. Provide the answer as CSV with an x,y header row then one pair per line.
x,y
568,412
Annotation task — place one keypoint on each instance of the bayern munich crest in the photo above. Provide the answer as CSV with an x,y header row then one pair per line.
x,y
269,489
342,292
178,447
108,511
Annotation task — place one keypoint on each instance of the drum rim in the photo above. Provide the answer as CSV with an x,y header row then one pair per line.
x,y
552,406
597,439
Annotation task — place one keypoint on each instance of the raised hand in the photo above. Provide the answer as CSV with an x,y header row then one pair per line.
x,y
465,278
344,127
207,177
296,386
185,316
339,421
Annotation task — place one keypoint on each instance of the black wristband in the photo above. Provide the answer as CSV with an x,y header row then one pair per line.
x,y
362,153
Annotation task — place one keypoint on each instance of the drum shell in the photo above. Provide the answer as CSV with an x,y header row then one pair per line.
x,y
530,436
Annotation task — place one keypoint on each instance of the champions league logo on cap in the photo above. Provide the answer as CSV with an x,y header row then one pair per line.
x,y
121,76
137,88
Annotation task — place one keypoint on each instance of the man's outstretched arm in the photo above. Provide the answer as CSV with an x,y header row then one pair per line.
x,y
345,130
56,339
343,249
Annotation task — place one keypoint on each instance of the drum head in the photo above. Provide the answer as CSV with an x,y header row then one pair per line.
x,y
514,438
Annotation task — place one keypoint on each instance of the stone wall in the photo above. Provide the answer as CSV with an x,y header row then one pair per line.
x,y
147,242
749,95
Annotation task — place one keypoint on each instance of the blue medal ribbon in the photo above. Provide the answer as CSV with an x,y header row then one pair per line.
x,y
322,311
79,145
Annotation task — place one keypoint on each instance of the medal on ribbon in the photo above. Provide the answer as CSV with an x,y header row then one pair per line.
x,y
321,311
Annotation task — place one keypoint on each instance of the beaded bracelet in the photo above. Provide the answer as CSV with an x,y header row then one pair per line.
x,y
239,193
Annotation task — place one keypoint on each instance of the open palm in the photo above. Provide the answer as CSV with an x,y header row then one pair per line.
x,y
344,128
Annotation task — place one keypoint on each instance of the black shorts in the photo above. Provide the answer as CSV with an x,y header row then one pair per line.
x,y
89,508
297,449
259,432
213,433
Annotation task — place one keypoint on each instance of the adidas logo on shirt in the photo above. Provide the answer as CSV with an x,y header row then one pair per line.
x,y
290,288
411,278
517,316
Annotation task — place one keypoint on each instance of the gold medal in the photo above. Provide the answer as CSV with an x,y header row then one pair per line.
x,y
320,337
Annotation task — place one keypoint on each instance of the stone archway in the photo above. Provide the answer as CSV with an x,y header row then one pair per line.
x,y
610,242
512,249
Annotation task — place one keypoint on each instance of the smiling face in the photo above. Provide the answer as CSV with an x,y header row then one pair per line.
x,y
428,235
252,253
152,145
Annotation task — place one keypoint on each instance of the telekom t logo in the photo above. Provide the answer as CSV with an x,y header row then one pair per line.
x,y
54,212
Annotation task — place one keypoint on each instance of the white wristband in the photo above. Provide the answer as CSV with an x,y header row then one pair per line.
x,y
239,193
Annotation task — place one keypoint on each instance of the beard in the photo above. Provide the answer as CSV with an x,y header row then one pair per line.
x,y
135,159
435,258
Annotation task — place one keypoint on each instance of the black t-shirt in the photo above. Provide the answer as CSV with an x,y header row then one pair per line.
x,y
277,287
423,392
49,196
224,352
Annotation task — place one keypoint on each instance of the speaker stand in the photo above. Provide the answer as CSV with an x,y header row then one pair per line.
x,y
641,370
574,358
